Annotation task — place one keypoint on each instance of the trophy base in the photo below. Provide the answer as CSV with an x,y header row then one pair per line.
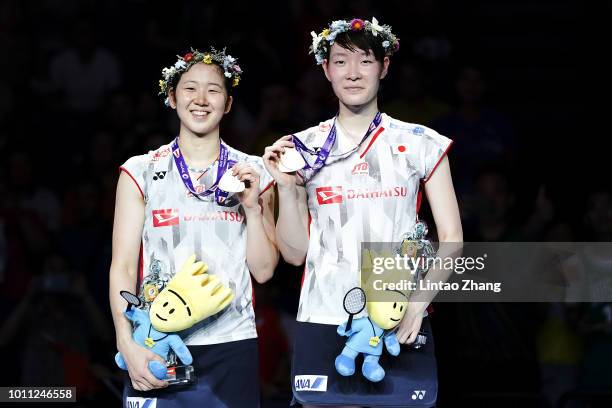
x,y
420,340
181,375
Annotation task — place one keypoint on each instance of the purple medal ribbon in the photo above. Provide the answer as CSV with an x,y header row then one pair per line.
x,y
323,153
222,167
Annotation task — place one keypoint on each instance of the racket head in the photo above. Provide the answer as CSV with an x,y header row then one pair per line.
x,y
131,298
354,301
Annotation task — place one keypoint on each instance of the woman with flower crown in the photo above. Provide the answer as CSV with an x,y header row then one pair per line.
x,y
177,201
359,179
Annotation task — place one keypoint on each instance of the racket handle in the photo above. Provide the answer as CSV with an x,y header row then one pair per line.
x,y
349,323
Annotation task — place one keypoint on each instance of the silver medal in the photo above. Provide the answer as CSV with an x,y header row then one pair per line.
x,y
291,161
231,183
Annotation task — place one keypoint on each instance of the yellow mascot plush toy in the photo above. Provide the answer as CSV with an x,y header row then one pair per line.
x,y
191,296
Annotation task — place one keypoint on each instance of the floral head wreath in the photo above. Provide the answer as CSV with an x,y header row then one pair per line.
x,y
322,42
231,69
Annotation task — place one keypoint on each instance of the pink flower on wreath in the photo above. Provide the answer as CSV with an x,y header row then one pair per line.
x,y
237,69
357,24
396,46
188,57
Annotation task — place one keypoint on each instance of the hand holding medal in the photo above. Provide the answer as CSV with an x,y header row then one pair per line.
x,y
290,154
279,167
231,183
291,160
244,180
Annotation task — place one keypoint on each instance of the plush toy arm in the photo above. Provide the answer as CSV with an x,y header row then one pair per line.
x,y
180,349
216,295
191,267
120,361
158,369
355,327
341,330
220,295
137,316
213,296
392,344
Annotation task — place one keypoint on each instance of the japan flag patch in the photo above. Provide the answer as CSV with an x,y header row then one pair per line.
x,y
399,148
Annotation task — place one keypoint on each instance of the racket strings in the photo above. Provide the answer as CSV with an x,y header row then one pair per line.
x,y
354,301
130,298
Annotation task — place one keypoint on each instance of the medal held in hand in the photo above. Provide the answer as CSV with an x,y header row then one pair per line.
x,y
291,160
231,183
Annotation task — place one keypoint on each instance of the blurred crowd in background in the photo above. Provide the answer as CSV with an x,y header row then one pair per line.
x,y
78,97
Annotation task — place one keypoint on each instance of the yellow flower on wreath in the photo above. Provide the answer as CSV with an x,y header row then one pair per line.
x,y
207,59
236,81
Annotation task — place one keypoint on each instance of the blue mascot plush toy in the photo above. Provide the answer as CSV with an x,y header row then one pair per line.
x,y
191,296
367,335
158,342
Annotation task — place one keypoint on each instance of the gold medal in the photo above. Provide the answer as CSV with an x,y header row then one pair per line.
x,y
150,292
374,340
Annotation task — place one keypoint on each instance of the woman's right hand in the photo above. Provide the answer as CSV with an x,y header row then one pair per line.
x,y
137,360
271,159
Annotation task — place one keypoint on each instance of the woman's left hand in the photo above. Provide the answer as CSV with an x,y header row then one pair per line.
x,y
411,323
249,198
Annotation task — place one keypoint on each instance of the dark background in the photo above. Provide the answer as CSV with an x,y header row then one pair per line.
x,y
511,82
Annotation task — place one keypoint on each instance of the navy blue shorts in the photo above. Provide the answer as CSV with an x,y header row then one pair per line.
x,y
410,378
227,376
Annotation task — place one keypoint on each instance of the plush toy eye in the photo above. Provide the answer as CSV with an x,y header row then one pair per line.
x,y
165,304
394,305
401,308
171,311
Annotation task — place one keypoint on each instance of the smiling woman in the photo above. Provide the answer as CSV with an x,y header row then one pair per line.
x,y
200,100
159,224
